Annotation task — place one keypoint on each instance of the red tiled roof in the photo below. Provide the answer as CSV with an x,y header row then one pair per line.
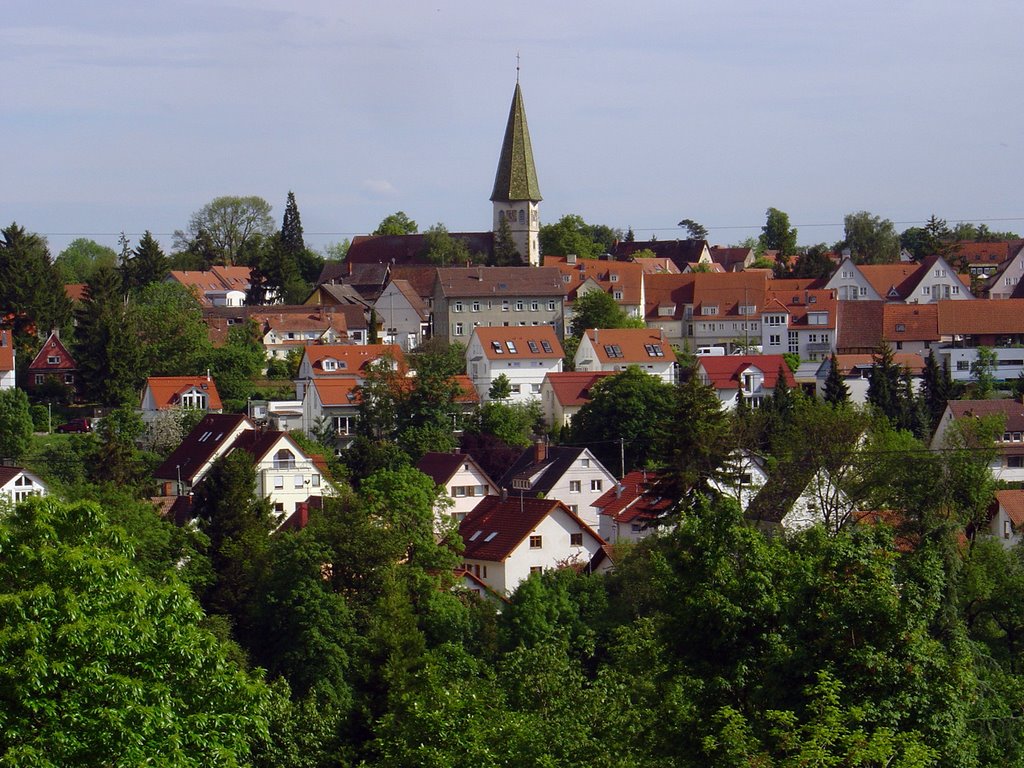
x,y
75,292
1005,316
610,276
167,390
910,322
909,360
668,290
497,338
335,391
497,526
727,292
1012,502
1011,410
53,347
798,303
725,372
631,344
628,500
860,325
6,351
573,387
984,253
657,266
355,356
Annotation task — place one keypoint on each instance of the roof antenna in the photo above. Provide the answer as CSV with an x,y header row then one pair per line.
x,y
517,67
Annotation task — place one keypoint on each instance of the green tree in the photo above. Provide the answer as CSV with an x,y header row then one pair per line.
x,y
836,392
572,235
597,309
396,224
148,264
505,253
514,424
77,261
15,423
694,230
231,225
237,363
291,228
31,289
117,458
936,388
106,343
629,413
101,665
237,525
982,369
173,338
776,234
500,389
883,383
871,239
443,249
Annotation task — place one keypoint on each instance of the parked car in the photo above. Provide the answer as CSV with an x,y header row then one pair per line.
x,y
76,425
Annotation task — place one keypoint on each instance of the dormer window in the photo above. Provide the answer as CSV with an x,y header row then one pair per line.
x,y
614,278
330,365
709,310
747,309
498,349
900,327
53,359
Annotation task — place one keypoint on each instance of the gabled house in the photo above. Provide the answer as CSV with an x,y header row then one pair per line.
x,y
479,297
733,259
622,280
525,355
17,484
463,479
628,509
283,332
169,393
931,280
803,322
999,325
1007,280
563,394
983,259
911,327
217,287
1008,463
796,500
53,365
727,309
1006,522
570,474
7,360
344,361
615,349
285,474
669,306
405,317
742,477
755,376
507,539
335,402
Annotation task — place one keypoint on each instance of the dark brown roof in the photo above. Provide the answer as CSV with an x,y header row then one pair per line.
x,y
420,276
681,252
1012,410
456,282
440,467
860,326
497,526
195,450
410,249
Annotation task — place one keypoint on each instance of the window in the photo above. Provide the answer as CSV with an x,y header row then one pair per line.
x,y
1007,529
1015,462
316,481
817,318
900,327
575,539
536,569
516,389
956,290
535,389
536,542
475,306
39,378
940,273
297,481
551,306
774,340
566,278
963,365
284,459
193,400
794,341
279,507
511,347
546,346
863,291
575,486
926,290
519,306
459,329
709,310
69,378
457,306
53,359
533,346
279,482
595,485
585,462
775,320
617,295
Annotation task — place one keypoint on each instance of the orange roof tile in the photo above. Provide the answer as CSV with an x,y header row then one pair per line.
x,y
573,387
519,341
630,345
6,351
355,357
1012,502
725,372
910,322
167,390
1004,316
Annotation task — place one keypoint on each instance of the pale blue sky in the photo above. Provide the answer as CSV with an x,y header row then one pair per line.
x,y
130,116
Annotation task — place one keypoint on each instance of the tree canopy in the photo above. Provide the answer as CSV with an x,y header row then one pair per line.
x,y
776,234
231,224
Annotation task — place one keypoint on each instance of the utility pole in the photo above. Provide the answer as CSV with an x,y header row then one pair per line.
x,y
622,457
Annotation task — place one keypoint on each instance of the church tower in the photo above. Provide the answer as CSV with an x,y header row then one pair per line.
x,y
516,196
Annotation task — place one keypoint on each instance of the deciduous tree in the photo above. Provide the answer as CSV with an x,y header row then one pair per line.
x,y
776,234
231,223
15,423
396,224
871,239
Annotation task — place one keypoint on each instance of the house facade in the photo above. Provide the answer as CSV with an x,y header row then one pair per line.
x,y
525,355
17,484
752,376
507,539
1008,463
615,349
464,481
53,366
802,322
563,394
175,393
403,315
471,297
628,510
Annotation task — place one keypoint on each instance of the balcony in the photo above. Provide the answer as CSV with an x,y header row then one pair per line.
x,y
819,347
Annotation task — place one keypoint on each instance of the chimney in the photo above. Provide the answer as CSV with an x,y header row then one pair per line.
x,y
504,494
540,451
595,337
618,490
570,259
301,515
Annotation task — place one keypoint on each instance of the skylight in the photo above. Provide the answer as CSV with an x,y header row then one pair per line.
x,y
545,345
496,346
490,536
511,347
475,536
533,346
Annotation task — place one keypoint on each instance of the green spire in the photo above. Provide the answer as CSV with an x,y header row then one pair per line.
x,y
516,178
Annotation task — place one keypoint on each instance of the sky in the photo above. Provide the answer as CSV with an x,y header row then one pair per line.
x,y
131,116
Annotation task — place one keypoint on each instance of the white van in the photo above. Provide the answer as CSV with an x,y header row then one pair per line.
x,y
710,352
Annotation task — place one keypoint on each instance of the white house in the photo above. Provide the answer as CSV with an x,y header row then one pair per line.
x,y
615,349
524,354
170,393
1007,521
570,474
507,539
7,374
755,376
1008,463
563,394
627,509
743,476
17,484
463,480
404,315
931,280
803,322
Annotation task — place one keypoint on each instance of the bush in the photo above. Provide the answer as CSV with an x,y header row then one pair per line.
x,y
40,418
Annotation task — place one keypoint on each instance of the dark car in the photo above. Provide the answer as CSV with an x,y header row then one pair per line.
x,y
76,425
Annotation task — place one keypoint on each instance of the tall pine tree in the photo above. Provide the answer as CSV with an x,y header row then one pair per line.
x,y
884,383
836,392
148,264
106,347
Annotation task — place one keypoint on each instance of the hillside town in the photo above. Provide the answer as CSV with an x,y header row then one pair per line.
x,y
754,491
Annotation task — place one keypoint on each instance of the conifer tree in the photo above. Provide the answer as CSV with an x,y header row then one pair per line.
x,y
505,253
836,392
30,286
149,264
291,228
883,383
